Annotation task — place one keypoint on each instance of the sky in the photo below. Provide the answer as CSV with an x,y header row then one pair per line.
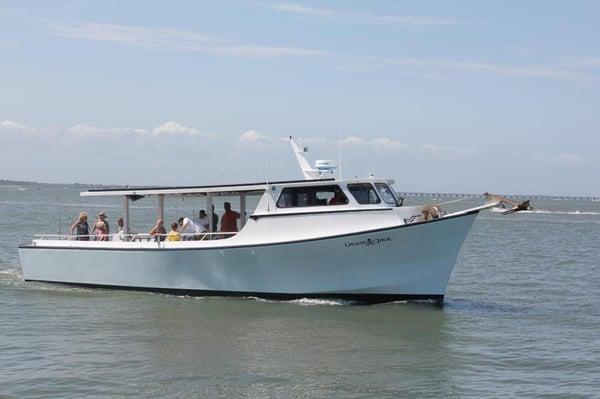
x,y
461,96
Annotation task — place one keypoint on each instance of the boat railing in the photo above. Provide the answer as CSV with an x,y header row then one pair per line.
x,y
135,237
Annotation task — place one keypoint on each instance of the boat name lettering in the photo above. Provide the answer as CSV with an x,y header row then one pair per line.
x,y
369,242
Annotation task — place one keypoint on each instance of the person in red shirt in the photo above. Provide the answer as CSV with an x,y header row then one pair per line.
x,y
229,219
338,198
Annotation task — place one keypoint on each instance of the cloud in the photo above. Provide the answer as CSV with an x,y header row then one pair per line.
x,y
361,18
174,128
387,144
83,130
381,143
15,127
18,131
429,66
172,39
447,150
256,51
169,128
564,158
353,141
583,62
131,35
253,137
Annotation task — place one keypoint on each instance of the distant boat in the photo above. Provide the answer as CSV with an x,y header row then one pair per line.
x,y
319,237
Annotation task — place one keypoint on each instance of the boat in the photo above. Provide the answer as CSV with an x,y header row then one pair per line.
x,y
319,237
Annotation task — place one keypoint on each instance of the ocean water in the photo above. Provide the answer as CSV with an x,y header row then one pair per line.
x,y
521,318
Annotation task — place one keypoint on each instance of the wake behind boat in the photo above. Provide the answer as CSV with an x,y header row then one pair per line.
x,y
315,238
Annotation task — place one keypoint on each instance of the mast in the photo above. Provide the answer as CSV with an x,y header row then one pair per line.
x,y
307,170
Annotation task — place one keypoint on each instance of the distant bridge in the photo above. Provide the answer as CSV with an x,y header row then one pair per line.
x,y
509,196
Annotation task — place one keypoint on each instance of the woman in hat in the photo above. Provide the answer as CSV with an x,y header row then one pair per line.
x,y
102,218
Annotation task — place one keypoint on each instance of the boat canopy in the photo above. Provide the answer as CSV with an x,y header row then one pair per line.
x,y
217,190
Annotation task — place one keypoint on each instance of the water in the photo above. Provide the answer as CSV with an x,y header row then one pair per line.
x,y
520,318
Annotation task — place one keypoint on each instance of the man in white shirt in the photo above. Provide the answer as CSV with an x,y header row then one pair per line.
x,y
202,220
189,229
120,234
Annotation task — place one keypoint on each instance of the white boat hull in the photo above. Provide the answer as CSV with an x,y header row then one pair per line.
x,y
412,261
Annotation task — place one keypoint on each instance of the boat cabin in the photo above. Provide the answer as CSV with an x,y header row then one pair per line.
x,y
276,198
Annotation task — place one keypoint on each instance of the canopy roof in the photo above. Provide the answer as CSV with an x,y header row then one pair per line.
x,y
230,189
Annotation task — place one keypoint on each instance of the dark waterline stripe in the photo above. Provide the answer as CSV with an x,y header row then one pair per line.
x,y
277,296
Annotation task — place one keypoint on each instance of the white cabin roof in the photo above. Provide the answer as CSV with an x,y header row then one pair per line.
x,y
229,189
218,190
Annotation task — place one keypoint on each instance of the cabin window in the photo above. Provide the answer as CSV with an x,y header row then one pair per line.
x,y
386,193
292,197
364,193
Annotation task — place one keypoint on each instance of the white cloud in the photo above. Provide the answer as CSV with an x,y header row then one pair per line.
x,y
362,18
166,129
131,35
387,144
429,66
16,127
173,39
353,141
253,137
381,143
257,51
174,128
585,62
315,141
16,130
448,150
83,130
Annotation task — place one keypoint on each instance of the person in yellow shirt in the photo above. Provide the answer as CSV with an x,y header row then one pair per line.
x,y
173,234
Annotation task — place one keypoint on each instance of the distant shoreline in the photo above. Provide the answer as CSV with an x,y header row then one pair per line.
x,y
26,184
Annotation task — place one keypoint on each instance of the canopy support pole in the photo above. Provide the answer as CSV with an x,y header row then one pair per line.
x,y
242,210
209,205
161,207
126,215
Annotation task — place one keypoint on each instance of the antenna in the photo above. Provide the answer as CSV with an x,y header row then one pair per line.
x,y
268,188
266,151
340,150
369,159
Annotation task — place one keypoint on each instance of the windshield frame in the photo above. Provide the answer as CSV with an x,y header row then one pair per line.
x,y
380,187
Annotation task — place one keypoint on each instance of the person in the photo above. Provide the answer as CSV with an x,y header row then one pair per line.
x,y
202,220
82,228
229,219
100,231
102,218
158,231
189,229
120,234
174,234
215,221
338,198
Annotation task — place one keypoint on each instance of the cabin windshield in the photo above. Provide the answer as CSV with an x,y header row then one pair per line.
x,y
364,193
292,197
386,193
